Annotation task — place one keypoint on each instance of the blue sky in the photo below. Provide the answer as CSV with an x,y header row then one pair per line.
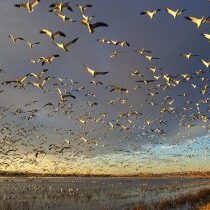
x,y
164,36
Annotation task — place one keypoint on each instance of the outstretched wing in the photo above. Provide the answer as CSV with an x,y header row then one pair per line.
x,y
71,42
59,91
102,73
21,5
60,33
99,24
35,3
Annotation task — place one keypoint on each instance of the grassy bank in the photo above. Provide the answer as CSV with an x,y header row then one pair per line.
x,y
190,201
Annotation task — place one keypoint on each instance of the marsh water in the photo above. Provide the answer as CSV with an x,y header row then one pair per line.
x,y
66,193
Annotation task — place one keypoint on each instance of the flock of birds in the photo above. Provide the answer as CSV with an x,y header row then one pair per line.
x,y
93,132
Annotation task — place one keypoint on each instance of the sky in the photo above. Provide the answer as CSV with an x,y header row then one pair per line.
x,y
94,147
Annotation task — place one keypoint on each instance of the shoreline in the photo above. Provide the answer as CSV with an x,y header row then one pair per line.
x,y
199,175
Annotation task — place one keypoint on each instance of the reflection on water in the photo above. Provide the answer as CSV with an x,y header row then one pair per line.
x,y
92,193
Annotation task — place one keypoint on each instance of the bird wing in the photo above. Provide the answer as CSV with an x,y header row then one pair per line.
x,y
33,74
170,11
68,7
23,78
140,81
45,31
193,19
60,33
89,70
53,5
152,80
21,5
112,89
42,72
45,80
71,42
59,91
9,82
69,95
183,10
34,84
19,38
35,2
102,73
36,43
144,13
99,24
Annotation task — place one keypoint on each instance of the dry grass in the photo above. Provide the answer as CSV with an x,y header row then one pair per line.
x,y
195,200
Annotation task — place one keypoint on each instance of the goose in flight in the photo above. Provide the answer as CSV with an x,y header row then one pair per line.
x,y
65,18
29,5
44,60
31,45
118,89
150,57
205,63
92,104
64,46
198,21
174,13
82,8
136,73
112,42
115,53
154,69
151,14
188,56
19,81
64,96
86,21
93,72
103,40
146,81
96,82
60,6
38,75
123,44
207,36
51,34
14,39
142,51
40,84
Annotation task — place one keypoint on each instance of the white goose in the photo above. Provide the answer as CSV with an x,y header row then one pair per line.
x,y
38,75
64,96
188,56
151,14
94,73
207,36
198,21
64,46
52,34
175,13
29,5
14,39
205,63
41,84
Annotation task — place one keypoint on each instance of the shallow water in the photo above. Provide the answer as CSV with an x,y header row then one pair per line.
x,y
92,192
